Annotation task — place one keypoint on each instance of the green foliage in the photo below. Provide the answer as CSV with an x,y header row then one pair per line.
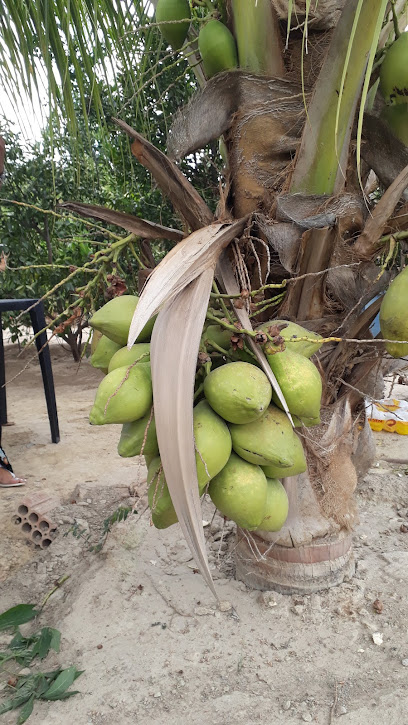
x,y
22,650
120,514
42,686
97,168
20,614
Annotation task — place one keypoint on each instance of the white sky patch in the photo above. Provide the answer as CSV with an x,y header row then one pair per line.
x,y
29,116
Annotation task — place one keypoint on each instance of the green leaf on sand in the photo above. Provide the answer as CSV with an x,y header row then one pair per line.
x,y
63,681
26,710
20,614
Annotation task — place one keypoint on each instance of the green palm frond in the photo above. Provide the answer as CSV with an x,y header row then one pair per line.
x,y
75,46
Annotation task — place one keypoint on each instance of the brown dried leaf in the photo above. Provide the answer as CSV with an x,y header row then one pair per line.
x,y
3,262
176,339
366,244
179,267
185,199
382,151
141,227
117,286
224,271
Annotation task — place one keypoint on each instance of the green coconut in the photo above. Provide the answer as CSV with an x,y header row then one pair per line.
x,y
160,503
299,463
167,13
239,492
290,335
114,318
394,71
212,442
218,335
132,437
103,352
268,440
217,48
397,119
124,357
243,356
239,392
394,315
277,506
300,383
96,336
123,396
148,459
305,422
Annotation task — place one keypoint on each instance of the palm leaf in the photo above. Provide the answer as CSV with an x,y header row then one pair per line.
x,y
173,357
141,227
367,243
184,263
75,40
185,199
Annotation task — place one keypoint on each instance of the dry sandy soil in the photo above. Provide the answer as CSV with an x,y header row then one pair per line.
x,y
139,620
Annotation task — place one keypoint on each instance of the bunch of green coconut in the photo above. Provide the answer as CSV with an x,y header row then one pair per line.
x,y
216,43
244,441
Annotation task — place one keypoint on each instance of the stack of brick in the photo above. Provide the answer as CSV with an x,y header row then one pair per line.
x,y
33,518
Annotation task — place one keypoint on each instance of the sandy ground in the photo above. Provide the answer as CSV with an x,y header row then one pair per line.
x,y
140,621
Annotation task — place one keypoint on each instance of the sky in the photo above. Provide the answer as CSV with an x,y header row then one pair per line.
x,y
30,116
28,119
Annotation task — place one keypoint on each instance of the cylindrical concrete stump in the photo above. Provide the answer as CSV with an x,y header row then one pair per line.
x,y
263,565
310,553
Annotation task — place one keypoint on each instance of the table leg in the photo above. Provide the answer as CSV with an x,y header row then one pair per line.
x,y
38,323
3,399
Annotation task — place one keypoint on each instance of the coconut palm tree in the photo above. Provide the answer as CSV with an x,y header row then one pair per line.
x,y
296,234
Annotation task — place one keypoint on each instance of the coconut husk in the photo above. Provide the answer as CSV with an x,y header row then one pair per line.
x,y
210,113
383,152
321,15
283,238
295,57
363,452
332,474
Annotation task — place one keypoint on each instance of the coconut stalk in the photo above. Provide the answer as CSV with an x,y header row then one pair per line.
x,y
321,164
257,36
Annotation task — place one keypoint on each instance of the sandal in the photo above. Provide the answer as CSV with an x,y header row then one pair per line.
x,y
15,483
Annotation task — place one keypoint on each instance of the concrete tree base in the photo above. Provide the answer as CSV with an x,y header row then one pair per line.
x,y
313,550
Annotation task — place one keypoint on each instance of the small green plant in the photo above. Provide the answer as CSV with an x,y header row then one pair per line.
x,y
25,689
80,532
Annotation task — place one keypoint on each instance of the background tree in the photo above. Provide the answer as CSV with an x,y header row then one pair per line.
x,y
93,165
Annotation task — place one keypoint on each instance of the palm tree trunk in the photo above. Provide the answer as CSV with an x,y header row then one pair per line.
x,y
314,548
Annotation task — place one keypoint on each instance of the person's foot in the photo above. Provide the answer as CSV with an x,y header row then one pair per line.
x,y
9,480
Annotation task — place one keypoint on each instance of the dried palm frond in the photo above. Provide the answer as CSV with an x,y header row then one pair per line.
x,y
141,227
173,354
185,262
